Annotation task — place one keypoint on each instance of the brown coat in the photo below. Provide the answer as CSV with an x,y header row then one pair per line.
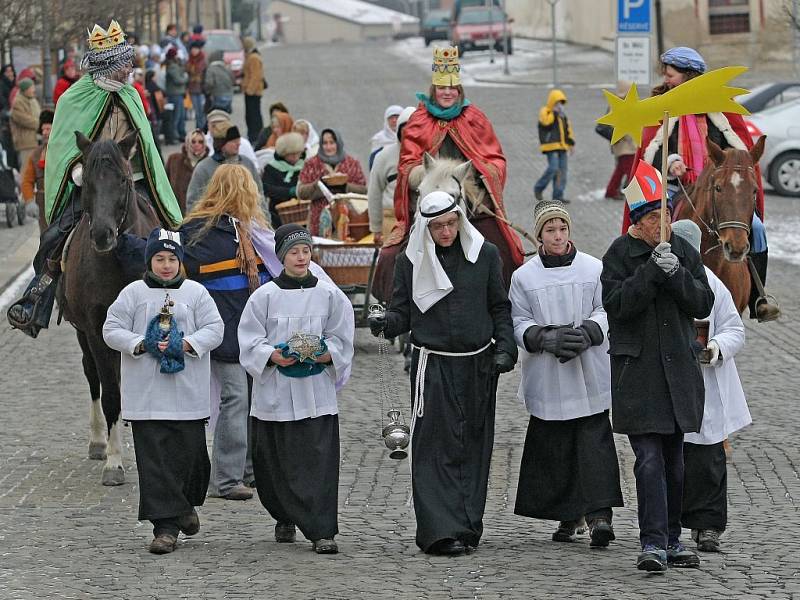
x,y
33,182
179,171
253,75
25,122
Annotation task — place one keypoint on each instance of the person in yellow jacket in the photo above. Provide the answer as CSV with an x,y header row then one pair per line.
x,y
253,86
555,141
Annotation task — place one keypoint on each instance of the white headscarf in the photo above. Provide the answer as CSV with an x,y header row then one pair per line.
x,y
430,283
386,136
312,143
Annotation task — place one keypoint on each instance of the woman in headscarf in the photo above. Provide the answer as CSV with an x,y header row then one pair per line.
x,y
282,172
281,123
310,135
446,125
330,159
688,155
181,164
387,135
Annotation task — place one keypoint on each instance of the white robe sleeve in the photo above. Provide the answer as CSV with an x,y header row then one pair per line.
x,y
728,326
521,313
210,327
339,333
118,328
598,314
254,349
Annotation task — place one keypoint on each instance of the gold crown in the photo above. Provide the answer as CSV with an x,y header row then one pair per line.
x,y
102,39
446,67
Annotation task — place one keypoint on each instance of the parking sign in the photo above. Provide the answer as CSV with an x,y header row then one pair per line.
x,y
633,16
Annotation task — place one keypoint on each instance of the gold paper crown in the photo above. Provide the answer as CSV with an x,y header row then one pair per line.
x,y
446,67
101,39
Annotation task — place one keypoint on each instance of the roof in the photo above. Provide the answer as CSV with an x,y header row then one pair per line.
x,y
362,13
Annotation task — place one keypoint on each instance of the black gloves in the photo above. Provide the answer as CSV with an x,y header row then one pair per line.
x,y
377,324
503,362
565,342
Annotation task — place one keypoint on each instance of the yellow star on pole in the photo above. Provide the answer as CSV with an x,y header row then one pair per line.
x,y
703,94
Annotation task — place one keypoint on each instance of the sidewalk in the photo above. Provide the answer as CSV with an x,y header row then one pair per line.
x,y
17,248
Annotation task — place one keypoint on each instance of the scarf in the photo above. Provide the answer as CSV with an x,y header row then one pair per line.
x,y
187,148
154,281
287,282
692,133
550,261
333,159
445,114
289,170
246,257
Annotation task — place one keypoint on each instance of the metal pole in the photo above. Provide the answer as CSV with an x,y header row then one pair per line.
x,y
47,81
505,40
796,47
553,36
491,29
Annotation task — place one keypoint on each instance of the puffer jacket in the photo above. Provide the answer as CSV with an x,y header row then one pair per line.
x,y
555,131
25,122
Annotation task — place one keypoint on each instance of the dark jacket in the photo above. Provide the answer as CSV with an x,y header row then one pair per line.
x,y
211,260
276,189
656,383
476,311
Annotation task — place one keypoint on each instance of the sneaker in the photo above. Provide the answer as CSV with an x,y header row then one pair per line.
x,y
707,540
652,559
537,195
163,543
601,533
189,524
565,532
679,555
285,533
238,492
325,546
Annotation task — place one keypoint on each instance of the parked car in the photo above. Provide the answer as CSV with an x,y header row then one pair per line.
x,y
780,163
436,26
478,28
229,43
769,94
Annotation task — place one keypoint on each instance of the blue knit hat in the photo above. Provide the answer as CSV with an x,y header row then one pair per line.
x,y
683,57
160,240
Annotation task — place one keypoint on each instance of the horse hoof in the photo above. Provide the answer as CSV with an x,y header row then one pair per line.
x,y
97,451
113,476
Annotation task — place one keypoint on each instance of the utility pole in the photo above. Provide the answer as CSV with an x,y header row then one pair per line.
x,y
796,37
490,6
553,36
505,40
47,65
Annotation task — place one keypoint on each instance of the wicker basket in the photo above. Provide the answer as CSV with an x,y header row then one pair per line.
x,y
345,264
335,179
294,211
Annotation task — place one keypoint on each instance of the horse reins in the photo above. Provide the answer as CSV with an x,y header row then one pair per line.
x,y
716,225
129,191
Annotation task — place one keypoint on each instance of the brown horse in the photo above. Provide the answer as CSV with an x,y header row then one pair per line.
x,y
93,279
722,204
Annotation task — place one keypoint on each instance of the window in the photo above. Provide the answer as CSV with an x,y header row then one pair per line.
x,y
728,16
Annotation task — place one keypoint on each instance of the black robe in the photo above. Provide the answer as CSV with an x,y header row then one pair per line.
x,y
296,463
452,441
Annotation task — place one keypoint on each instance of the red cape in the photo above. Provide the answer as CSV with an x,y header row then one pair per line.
x,y
473,134
739,127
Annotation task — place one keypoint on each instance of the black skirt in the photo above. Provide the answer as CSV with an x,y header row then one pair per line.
x,y
452,447
173,465
705,487
296,467
569,468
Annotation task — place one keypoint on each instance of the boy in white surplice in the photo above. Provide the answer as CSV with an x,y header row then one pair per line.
x,y
569,465
296,340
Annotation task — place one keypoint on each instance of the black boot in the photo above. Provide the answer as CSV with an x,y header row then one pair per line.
x,y
31,313
762,306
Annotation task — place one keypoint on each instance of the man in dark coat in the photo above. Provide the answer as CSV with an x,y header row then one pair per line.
x,y
652,291
449,292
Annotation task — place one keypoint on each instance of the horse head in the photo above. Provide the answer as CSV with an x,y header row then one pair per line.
x,y
732,191
107,192
444,175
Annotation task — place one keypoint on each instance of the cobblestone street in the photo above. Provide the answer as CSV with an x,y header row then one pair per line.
x,y
63,535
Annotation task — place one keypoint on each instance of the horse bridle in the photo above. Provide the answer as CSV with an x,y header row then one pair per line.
x,y
129,191
716,225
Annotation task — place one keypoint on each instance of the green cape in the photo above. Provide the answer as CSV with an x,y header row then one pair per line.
x,y
83,107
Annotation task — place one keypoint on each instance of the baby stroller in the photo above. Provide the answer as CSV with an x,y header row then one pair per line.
x,y
10,192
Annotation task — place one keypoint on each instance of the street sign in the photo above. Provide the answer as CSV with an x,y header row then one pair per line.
x,y
633,16
633,59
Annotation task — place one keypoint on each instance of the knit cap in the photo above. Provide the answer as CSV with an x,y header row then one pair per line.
x,y
24,84
688,230
162,239
289,235
546,210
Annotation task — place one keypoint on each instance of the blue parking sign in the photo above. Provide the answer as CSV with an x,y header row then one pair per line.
x,y
633,16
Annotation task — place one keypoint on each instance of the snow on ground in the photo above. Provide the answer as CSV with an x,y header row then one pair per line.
x,y
783,236
592,196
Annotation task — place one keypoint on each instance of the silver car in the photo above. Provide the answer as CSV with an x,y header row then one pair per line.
x,y
780,163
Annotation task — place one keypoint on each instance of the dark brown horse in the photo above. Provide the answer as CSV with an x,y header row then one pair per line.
x,y
722,204
93,279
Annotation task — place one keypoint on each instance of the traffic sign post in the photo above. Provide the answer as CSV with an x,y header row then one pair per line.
x,y
633,47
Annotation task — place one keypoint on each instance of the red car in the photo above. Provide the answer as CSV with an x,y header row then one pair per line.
x,y
479,28
229,43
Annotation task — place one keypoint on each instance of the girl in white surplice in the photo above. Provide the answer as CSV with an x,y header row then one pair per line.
x,y
295,414
569,465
